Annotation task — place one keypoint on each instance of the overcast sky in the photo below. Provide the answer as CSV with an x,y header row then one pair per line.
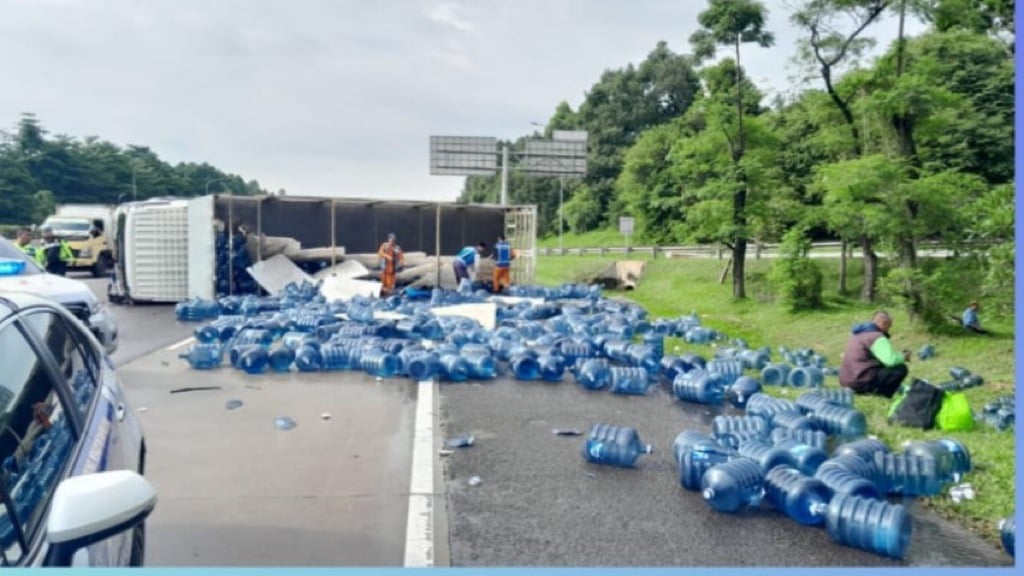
x,y
333,97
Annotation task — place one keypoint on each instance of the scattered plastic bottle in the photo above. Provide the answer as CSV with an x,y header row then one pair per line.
x,y
629,380
725,425
379,363
699,386
792,419
775,374
815,438
927,352
741,390
203,356
697,459
952,457
690,438
806,377
525,367
254,360
863,448
806,458
334,357
842,481
454,368
733,485
909,474
308,358
424,366
594,374
868,470
614,445
482,367
839,421
552,367
1008,534
814,399
867,524
236,351
801,497
281,359
766,454
959,373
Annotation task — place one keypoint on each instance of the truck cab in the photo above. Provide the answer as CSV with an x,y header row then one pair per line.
x,y
87,234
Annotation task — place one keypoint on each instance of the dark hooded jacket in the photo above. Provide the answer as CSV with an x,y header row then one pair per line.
x,y
867,350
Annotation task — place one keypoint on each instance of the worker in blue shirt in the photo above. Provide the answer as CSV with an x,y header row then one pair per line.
x,y
503,256
467,263
970,318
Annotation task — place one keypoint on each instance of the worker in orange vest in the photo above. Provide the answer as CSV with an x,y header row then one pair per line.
x,y
391,260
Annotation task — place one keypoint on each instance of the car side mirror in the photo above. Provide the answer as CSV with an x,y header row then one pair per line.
x,y
90,508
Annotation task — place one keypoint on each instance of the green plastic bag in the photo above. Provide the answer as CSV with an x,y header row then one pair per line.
x,y
955,413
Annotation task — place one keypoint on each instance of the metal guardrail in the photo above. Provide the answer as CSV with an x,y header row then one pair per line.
x,y
720,252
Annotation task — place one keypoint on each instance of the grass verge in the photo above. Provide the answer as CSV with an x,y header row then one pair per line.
x,y
674,287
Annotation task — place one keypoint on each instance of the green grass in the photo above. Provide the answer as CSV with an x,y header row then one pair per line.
x,y
594,239
671,288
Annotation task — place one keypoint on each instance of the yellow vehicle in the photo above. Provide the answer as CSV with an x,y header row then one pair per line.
x,y
85,228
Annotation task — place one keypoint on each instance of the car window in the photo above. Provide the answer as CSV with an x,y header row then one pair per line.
x,y
77,362
36,442
8,251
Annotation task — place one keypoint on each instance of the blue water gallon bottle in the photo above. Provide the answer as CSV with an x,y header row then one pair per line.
x,y
525,367
815,438
724,425
733,485
801,497
872,525
481,366
552,367
454,368
766,454
335,357
806,457
629,380
951,456
424,366
207,334
689,438
842,481
281,359
775,374
254,360
656,341
863,448
308,359
909,474
379,363
792,420
1008,534
594,374
839,421
697,459
236,351
806,377
741,390
864,468
203,356
614,445
699,386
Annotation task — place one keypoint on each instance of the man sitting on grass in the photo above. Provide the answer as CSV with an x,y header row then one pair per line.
x,y
870,364
970,319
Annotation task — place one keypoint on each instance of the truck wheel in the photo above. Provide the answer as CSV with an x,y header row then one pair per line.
x,y
99,269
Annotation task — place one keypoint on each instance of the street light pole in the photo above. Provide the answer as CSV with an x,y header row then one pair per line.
x,y
135,190
561,216
211,181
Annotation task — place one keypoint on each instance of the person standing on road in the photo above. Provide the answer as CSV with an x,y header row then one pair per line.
x,y
503,256
24,242
55,256
870,364
467,263
391,259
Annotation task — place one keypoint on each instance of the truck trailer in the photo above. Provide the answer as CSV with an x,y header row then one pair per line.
x,y
175,249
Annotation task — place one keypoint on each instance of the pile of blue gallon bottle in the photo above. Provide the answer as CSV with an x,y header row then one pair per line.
x,y
775,452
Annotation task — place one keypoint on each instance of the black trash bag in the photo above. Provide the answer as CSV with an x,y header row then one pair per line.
x,y
916,405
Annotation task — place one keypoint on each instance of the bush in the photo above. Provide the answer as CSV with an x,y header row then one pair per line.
x,y
797,279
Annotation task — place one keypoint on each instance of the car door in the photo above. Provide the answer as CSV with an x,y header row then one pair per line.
x,y
102,446
38,440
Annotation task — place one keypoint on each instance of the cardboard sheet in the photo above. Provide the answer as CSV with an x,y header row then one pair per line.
x,y
341,288
275,273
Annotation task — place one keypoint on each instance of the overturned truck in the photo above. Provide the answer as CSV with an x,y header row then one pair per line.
x,y
170,250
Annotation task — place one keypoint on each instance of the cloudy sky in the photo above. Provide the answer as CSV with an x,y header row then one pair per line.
x,y
332,97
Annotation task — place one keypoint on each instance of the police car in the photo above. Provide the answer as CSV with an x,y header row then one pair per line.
x,y
72,451
19,273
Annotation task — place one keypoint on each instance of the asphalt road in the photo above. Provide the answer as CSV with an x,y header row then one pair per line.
x,y
539,503
236,491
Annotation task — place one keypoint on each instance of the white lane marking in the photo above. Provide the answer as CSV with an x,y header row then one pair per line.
x,y
419,527
184,342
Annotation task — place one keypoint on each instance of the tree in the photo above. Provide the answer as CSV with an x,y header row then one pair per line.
x,y
733,23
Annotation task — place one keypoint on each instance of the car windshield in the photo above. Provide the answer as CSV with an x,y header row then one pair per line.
x,y
65,227
8,251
